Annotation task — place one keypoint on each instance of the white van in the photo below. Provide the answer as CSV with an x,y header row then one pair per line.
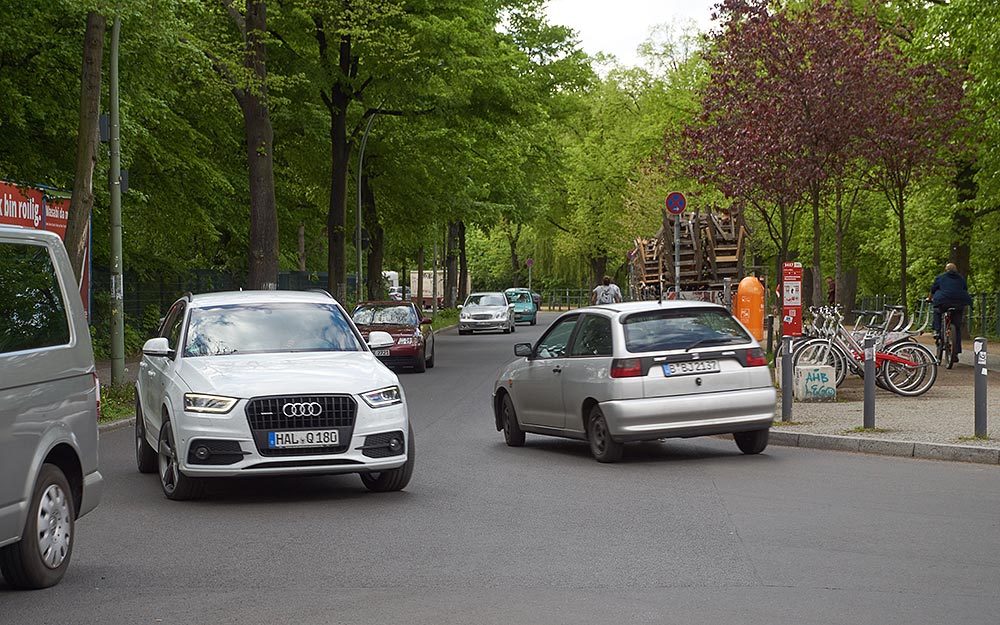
x,y
49,408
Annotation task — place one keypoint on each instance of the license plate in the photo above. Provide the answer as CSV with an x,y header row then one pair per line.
x,y
381,352
691,366
302,438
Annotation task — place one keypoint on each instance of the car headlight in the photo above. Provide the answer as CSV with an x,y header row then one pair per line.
x,y
387,396
465,316
213,404
500,315
407,340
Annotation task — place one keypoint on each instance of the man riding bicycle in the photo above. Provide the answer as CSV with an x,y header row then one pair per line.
x,y
950,290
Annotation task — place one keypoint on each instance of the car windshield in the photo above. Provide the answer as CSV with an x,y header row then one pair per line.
x,y
660,330
385,315
486,299
270,327
519,298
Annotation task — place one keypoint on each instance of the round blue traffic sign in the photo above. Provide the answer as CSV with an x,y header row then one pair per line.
x,y
676,203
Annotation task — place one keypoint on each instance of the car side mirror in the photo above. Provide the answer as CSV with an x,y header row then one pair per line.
x,y
511,306
426,321
522,349
158,346
460,307
378,339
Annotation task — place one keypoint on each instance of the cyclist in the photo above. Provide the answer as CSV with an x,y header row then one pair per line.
x,y
950,290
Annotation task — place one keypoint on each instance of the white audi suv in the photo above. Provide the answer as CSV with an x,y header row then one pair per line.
x,y
267,383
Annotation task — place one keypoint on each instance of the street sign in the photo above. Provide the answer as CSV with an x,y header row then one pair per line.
x,y
529,262
676,202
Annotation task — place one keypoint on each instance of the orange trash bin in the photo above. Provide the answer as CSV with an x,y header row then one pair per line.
x,y
750,306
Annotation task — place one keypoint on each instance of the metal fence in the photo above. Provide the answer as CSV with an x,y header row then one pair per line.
x,y
982,319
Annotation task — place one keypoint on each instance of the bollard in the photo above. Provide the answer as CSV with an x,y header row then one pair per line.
x,y
869,419
786,378
979,351
770,334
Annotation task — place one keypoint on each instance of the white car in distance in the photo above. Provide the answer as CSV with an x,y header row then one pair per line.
x,y
267,383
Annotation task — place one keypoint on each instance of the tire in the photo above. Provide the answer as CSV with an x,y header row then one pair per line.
x,y
508,330
420,364
602,446
430,361
910,381
949,347
145,456
464,332
173,482
41,557
393,479
534,319
512,432
752,442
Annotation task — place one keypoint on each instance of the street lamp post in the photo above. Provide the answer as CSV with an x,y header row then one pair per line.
x,y
357,228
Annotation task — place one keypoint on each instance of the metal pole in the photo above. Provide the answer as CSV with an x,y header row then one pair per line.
x,y
786,378
434,280
677,256
869,417
770,334
979,350
357,217
115,187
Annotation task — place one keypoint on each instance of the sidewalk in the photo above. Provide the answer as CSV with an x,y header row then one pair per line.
x,y
939,424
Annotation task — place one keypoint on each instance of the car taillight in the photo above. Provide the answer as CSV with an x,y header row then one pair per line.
x,y
626,368
97,389
756,357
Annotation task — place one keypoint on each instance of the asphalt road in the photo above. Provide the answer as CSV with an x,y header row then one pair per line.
x,y
685,531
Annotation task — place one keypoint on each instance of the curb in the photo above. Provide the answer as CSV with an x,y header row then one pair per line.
x,y
120,424
884,447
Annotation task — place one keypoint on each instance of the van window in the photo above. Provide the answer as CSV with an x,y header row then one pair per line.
x,y
32,310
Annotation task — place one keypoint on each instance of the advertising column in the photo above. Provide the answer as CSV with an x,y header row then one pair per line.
x,y
791,299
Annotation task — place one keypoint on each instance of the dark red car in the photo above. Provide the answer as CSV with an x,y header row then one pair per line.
x,y
414,340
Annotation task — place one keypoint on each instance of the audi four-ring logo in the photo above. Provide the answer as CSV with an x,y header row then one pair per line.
x,y
304,409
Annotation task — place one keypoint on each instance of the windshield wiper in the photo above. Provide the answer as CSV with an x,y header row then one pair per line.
x,y
710,341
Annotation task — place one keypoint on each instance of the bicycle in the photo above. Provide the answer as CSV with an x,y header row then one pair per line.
x,y
945,339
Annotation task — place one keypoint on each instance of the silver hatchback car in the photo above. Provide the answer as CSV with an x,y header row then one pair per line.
x,y
638,371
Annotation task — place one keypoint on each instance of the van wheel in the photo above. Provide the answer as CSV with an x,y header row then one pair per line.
x,y
751,442
393,479
602,446
174,483
41,557
145,456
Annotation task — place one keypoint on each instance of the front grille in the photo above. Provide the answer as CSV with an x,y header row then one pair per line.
x,y
268,414
482,317
397,361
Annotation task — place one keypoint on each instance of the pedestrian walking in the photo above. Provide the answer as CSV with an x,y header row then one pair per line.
x,y
606,293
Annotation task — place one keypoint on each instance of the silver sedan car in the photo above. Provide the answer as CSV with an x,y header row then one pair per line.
x,y
486,311
638,371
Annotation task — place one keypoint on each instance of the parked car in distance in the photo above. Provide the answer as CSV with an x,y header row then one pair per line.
x,y
486,311
412,333
268,383
49,409
399,293
638,371
537,298
524,305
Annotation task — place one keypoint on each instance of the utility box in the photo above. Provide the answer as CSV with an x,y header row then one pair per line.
x,y
815,383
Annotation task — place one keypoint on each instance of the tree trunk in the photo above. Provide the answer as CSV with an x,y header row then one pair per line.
x,y
463,264
818,297
451,266
82,202
902,246
599,268
420,278
512,238
963,218
376,240
336,219
302,246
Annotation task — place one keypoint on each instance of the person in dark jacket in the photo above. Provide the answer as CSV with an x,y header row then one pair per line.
x,y
950,290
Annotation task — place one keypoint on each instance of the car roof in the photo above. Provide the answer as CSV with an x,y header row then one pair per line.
x,y
516,289
487,293
669,304
260,297
385,302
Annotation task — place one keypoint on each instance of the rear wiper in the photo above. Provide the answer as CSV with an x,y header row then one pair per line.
x,y
710,341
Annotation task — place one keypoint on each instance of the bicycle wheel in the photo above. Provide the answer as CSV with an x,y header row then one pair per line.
x,y
915,375
822,352
948,337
